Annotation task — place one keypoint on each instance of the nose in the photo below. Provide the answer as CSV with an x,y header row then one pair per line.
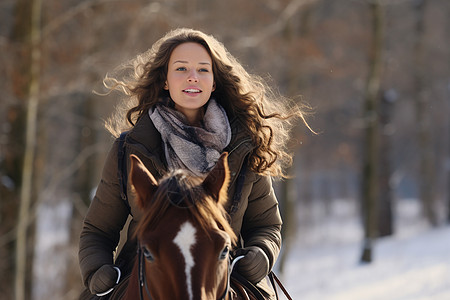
x,y
193,76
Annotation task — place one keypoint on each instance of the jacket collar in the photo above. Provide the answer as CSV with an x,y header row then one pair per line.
x,y
146,137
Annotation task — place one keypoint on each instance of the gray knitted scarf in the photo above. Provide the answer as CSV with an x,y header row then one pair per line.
x,y
194,148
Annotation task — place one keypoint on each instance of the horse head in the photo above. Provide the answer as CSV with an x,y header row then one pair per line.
x,y
184,236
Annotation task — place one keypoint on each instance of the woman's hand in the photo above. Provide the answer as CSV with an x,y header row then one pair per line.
x,y
254,265
104,279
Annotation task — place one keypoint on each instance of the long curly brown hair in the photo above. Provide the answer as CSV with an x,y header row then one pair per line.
x,y
266,116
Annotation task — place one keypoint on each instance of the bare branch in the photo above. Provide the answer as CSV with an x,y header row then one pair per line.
x,y
55,181
71,13
69,170
383,2
289,11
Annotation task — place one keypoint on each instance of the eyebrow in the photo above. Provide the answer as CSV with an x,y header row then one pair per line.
x,y
185,62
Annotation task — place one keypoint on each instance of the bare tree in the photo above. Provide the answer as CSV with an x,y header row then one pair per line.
x,y
370,158
30,148
385,226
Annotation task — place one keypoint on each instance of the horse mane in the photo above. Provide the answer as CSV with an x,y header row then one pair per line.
x,y
181,189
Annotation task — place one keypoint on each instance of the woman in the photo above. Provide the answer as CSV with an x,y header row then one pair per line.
x,y
193,102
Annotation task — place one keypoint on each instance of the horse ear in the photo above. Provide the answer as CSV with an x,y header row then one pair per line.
x,y
216,183
142,181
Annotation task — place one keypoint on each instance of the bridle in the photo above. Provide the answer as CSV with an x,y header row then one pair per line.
x,y
143,282
142,279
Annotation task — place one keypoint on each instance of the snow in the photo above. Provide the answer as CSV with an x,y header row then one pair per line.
x,y
323,263
52,236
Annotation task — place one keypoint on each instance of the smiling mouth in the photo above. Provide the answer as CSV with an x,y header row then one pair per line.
x,y
192,91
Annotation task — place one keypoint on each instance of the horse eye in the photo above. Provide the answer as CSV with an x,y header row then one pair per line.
x,y
147,254
224,253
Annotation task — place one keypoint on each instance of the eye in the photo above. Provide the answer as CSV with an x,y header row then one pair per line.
x,y
181,69
224,253
147,254
203,70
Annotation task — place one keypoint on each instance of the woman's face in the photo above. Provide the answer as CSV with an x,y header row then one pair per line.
x,y
190,80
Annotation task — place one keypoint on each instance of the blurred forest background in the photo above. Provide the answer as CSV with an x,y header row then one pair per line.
x,y
376,73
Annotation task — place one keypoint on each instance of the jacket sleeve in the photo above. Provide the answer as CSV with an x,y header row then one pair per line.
x,y
262,221
103,222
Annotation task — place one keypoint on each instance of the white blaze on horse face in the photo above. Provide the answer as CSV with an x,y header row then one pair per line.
x,y
185,239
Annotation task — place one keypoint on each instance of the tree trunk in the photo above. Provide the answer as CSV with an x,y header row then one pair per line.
x,y
30,147
370,155
424,129
288,201
385,216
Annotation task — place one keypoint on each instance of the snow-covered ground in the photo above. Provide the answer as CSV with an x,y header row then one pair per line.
x,y
323,262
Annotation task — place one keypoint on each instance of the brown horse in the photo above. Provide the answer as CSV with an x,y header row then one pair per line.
x,y
184,235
